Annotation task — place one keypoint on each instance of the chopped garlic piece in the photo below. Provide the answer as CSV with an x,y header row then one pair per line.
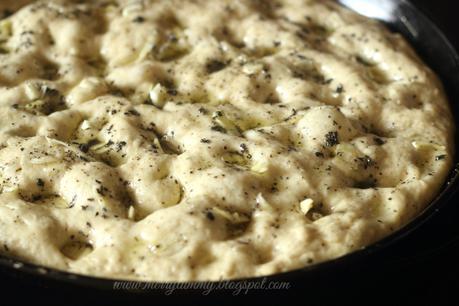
x,y
88,89
35,107
234,217
53,201
226,123
91,83
260,166
75,250
44,160
346,154
306,205
146,50
101,147
234,159
419,145
131,212
173,48
242,59
157,95
158,146
223,123
133,7
316,216
261,201
33,91
85,125
6,29
252,68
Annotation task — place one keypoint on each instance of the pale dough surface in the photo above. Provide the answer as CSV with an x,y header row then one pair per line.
x,y
204,140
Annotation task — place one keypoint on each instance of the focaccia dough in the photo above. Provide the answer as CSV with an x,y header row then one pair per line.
x,y
186,140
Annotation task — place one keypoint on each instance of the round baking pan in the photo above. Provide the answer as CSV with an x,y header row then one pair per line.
x,y
434,48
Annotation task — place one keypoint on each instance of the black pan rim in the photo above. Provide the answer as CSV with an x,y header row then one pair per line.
x,y
449,189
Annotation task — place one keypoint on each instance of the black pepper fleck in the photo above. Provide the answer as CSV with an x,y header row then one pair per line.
x,y
210,216
331,139
365,161
339,89
40,182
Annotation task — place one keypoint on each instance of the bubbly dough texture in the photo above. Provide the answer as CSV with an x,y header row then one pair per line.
x,y
204,140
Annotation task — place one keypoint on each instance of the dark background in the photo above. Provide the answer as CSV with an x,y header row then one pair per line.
x,y
444,13
421,269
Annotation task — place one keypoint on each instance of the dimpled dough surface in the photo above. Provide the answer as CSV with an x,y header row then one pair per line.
x,y
204,140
